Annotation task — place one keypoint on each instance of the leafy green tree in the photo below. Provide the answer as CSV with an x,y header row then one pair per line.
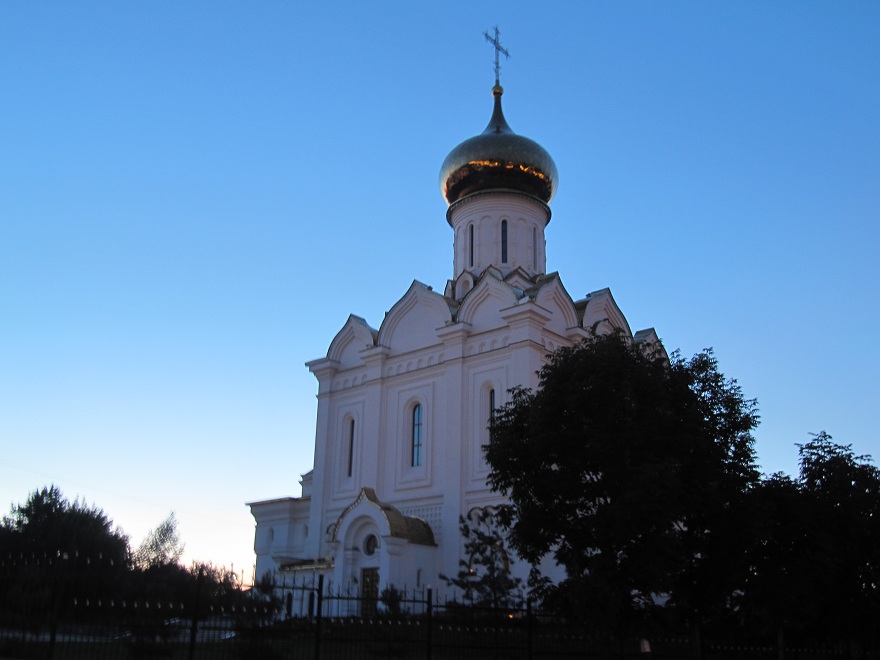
x,y
618,467
485,578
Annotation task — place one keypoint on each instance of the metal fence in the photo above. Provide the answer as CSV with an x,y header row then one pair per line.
x,y
287,620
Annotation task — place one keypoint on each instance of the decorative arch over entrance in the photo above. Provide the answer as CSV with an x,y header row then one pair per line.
x,y
365,537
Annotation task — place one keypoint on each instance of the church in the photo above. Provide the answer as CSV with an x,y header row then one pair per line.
x,y
403,410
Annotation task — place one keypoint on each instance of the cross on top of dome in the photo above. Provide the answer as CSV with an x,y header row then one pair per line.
x,y
496,43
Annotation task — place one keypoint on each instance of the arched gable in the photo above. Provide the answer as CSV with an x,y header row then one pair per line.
x,y
346,346
413,321
463,285
602,315
553,297
482,306
386,519
519,279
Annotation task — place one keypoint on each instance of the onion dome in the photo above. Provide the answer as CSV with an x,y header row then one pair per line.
x,y
497,159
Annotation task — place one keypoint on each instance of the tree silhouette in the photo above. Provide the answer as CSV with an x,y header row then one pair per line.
x,y
620,467
485,577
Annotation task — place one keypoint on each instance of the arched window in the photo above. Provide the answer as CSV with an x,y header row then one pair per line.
x,y
504,241
417,440
491,406
471,245
371,544
350,446
534,248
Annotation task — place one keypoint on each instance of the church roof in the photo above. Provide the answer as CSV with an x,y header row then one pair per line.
x,y
498,159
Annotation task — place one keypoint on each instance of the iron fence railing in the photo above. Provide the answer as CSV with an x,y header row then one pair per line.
x,y
43,615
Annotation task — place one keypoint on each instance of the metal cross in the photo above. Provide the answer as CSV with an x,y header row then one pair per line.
x,y
496,42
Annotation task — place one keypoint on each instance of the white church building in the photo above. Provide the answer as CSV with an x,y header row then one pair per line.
x,y
403,410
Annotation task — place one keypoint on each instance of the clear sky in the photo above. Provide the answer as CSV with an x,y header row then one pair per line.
x,y
195,195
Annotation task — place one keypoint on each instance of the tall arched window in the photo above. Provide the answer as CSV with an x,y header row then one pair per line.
x,y
534,248
471,246
504,241
417,441
350,447
491,406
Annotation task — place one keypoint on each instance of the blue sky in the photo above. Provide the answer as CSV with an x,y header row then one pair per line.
x,y
194,196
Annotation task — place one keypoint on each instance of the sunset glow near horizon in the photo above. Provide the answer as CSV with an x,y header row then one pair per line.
x,y
194,197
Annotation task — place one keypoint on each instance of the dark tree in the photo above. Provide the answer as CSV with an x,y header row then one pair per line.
x,y
814,558
54,550
161,546
48,525
844,490
719,478
619,467
786,561
485,577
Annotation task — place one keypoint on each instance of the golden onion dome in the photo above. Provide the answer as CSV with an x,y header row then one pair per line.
x,y
497,159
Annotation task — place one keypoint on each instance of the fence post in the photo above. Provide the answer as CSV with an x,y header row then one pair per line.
x,y
54,609
194,626
320,615
430,636
529,641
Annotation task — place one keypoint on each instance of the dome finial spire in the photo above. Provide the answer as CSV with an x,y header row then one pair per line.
x,y
496,43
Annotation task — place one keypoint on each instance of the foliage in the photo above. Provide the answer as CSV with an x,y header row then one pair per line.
x,y
815,554
54,552
51,549
161,545
485,578
618,468
49,524
843,491
392,598
783,557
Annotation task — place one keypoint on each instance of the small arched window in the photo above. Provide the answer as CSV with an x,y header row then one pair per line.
x,y
371,544
504,241
471,246
350,447
416,437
